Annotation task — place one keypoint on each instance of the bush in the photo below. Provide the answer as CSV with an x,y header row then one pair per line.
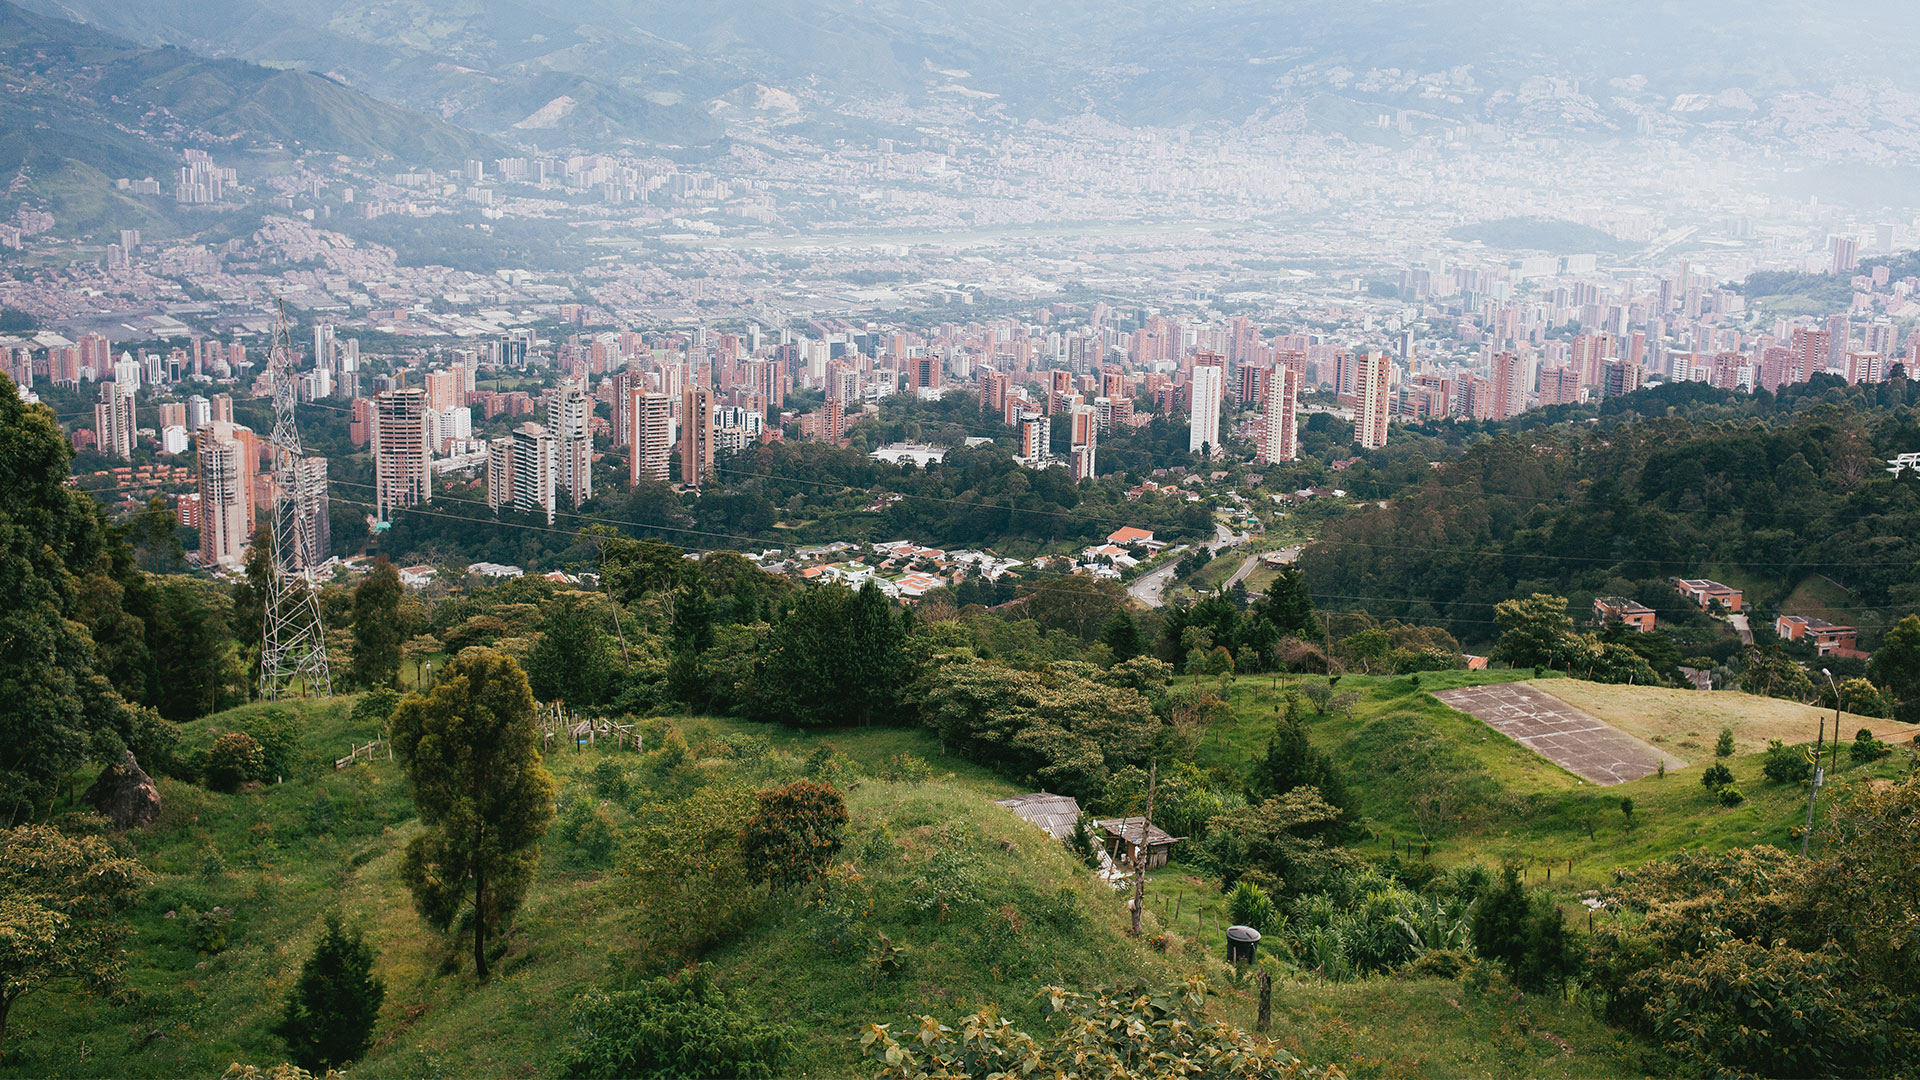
x,y
1716,777
232,760
1786,764
609,779
793,833
1866,748
329,1017
681,1026
1081,841
1526,933
1724,746
1730,796
1249,905
210,929
907,769
841,904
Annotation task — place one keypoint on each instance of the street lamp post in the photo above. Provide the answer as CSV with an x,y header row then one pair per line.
x,y
1813,789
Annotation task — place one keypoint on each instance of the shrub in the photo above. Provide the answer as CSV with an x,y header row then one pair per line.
x,y
1866,748
680,1026
328,1019
1716,777
793,833
907,769
1730,796
1786,764
279,736
210,929
609,779
841,904
1527,934
1723,747
232,760
953,876
1249,905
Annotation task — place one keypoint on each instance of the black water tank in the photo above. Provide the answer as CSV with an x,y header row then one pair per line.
x,y
1242,943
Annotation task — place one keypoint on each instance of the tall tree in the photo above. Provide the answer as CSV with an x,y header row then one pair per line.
x,y
1534,632
472,759
690,633
328,1019
807,672
1288,606
1122,637
377,628
60,901
58,710
573,660
875,658
1896,664
250,604
1293,761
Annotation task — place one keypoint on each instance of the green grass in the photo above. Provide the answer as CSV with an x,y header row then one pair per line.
x,y
282,855
1507,802
1822,598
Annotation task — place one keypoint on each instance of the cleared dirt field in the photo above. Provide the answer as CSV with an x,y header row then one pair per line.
x,y
1686,722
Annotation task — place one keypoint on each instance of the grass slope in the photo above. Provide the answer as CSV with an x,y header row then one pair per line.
x,y
282,855
1427,774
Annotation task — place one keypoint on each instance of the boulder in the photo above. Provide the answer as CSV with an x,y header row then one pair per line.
x,y
125,795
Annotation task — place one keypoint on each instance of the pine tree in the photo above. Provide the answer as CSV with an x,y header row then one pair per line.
x,y
689,634
377,632
472,759
329,1017
874,656
1293,761
1122,637
1288,605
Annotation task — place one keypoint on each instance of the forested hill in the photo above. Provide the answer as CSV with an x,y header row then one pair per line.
x,y
84,108
1763,492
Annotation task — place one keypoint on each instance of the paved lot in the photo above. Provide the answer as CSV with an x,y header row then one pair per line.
x,y
1579,742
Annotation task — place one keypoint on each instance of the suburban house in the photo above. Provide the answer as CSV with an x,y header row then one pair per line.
x,y
1054,813
1128,535
1123,838
1608,609
1827,638
1707,593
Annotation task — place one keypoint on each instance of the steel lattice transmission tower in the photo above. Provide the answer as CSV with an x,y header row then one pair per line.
x,y
293,653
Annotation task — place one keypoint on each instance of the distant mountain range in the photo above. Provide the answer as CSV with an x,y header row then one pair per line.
x,y
84,107
573,72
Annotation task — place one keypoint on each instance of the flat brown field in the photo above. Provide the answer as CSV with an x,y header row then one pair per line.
x,y
1686,722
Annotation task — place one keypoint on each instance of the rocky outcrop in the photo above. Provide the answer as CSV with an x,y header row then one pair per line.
x,y
125,794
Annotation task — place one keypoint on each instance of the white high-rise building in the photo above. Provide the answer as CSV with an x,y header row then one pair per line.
x,y
1280,420
226,493
1370,410
1203,393
568,413
401,477
113,420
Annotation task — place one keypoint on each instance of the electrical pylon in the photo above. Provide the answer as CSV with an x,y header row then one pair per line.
x,y
293,652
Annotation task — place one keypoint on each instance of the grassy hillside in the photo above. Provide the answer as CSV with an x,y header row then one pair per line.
x,y
280,856
1428,774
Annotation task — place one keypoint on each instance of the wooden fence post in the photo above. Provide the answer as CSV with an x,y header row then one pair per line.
x,y
1265,1020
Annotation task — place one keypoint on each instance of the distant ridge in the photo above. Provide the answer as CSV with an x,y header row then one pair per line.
x,y
84,107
